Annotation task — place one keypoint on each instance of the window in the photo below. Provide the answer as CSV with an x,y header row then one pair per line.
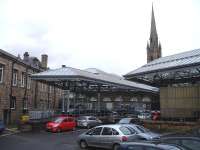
x,y
13,102
15,78
28,83
91,118
94,131
22,79
135,148
115,132
107,131
1,73
191,144
126,131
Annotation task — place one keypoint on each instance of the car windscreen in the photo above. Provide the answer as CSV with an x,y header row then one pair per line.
x,y
126,130
124,120
82,118
141,129
58,120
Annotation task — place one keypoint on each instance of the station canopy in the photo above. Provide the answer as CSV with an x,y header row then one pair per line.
x,y
90,79
179,68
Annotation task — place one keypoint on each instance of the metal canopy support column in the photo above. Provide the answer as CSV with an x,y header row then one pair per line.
x,y
66,93
99,98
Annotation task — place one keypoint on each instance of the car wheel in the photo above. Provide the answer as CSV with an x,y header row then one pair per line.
x,y
58,130
74,128
83,144
88,126
116,147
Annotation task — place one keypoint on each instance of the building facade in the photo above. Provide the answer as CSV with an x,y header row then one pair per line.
x,y
18,93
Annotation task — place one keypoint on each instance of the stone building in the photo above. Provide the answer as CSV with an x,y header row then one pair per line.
x,y
18,93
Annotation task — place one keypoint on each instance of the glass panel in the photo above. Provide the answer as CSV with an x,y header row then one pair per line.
x,y
126,131
1,73
107,131
97,131
115,132
135,148
191,144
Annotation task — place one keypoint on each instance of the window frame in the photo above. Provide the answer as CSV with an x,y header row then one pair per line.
x,y
14,77
2,73
13,102
23,78
28,82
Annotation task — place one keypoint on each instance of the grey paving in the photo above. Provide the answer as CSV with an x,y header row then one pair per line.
x,y
40,140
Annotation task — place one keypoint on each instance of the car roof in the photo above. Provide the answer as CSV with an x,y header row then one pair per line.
x,y
64,117
112,125
159,145
87,116
182,137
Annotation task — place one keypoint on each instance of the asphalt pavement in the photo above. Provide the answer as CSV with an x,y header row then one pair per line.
x,y
40,140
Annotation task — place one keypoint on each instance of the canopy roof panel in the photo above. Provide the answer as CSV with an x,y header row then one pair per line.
x,y
188,58
95,76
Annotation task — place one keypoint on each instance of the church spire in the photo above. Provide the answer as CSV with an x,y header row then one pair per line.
x,y
154,48
153,24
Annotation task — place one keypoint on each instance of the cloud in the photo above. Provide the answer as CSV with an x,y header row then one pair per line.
x,y
109,34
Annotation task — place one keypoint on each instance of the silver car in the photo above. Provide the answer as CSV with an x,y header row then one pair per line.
x,y
108,136
144,134
88,121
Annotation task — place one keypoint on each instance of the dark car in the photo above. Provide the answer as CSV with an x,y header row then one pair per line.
x,y
191,143
129,121
2,126
149,146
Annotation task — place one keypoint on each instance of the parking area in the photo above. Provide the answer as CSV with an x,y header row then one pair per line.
x,y
40,140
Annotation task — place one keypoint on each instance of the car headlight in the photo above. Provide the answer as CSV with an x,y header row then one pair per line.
x,y
85,123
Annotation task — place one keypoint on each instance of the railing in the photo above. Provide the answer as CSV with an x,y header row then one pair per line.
x,y
38,115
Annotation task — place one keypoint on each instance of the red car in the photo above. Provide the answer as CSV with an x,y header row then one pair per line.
x,y
61,124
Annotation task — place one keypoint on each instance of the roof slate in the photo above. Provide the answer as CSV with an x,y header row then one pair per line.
x,y
168,62
66,72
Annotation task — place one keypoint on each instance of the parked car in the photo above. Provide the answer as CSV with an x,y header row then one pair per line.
x,y
108,136
144,115
191,143
2,126
143,133
88,121
149,146
61,124
129,121
155,115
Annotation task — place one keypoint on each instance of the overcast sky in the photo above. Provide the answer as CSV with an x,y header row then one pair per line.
x,y
110,35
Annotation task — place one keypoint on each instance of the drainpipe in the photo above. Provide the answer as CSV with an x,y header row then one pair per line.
x,y
48,94
11,90
25,92
35,96
54,97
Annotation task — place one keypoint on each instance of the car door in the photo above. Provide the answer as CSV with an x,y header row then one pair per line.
x,y
107,138
64,124
93,137
70,123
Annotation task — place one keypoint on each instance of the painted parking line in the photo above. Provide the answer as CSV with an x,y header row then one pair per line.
x,y
7,134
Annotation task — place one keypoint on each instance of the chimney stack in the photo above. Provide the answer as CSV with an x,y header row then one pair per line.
x,y
26,56
44,61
